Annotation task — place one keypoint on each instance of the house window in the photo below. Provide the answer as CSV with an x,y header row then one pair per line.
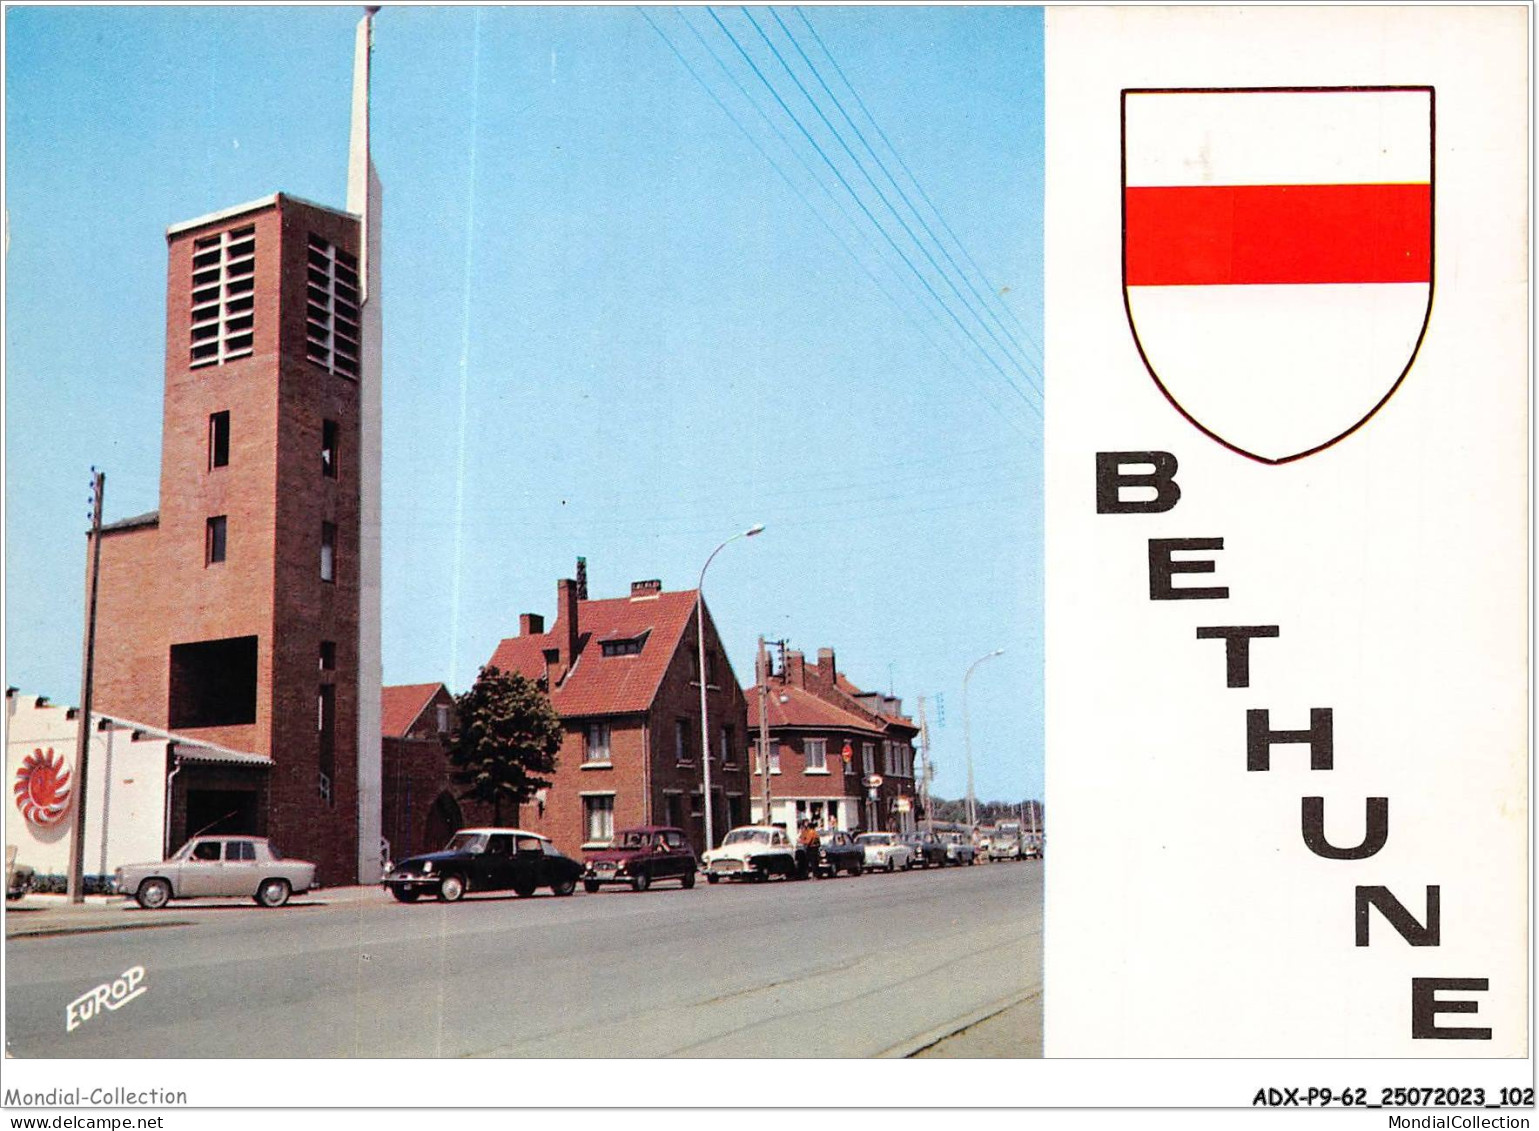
x,y
328,655
681,740
887,766
623,647
218,440
597,747
328,551
816,750
697,805
442,719
868,758
726,746
329,448
774,759
598,817
214,542
223,296
331,308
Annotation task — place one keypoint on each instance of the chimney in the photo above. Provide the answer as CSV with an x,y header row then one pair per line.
x,y
796,669
531,624
640,589
566,617
582,579
825,667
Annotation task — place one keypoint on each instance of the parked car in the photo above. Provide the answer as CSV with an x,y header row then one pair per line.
x,y
885,852
19,882
959,849
1031,849
838,853
928,849
217,865
639,857
487,859
1004,848
755,852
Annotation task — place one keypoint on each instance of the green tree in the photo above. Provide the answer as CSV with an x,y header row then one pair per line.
x,y
505,741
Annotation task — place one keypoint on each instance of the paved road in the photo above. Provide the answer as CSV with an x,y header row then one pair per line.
x,y
870,966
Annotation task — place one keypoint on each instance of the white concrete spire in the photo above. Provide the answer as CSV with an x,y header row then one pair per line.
x,y
363,199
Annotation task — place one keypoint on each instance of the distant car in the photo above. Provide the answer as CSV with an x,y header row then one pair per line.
x,y
959,850
1031,849
489,859
838,852
639,857
885,852
1004,848
217,865
755,852
928,849
20,881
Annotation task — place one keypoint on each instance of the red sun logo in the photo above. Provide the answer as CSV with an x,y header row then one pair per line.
x,y
42,788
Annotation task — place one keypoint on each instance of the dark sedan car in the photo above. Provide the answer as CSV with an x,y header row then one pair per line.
x,y
485,860
639,857
928,848
839,853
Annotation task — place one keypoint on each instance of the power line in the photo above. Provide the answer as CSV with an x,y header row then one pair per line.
x,y
861,204
916,183
803,197
969,306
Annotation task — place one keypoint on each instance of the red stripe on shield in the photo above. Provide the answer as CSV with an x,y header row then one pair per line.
x,y
1224,234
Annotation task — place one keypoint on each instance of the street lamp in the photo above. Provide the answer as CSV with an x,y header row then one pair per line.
x,y
705,726
967,739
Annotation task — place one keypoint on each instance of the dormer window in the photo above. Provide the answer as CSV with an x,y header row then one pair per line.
x,y
624,646
223,296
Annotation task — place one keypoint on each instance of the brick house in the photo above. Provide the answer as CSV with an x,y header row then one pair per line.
x,y
826,736
622,674
420,805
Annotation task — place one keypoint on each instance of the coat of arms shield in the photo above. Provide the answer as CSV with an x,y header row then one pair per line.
x,y
1277,254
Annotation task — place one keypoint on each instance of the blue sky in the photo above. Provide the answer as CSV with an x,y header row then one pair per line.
x,y
621,320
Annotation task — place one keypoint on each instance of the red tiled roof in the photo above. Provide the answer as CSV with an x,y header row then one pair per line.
x,y
600,684
801,708
401,705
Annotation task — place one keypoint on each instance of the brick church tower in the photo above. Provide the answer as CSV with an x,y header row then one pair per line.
x,y
245,611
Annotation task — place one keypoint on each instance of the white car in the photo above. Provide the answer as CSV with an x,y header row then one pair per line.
x,y
217,865
754,852
885,852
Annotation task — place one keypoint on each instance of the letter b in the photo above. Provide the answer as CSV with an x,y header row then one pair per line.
x,y
1110,479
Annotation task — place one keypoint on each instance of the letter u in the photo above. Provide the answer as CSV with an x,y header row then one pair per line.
x,y
1373,839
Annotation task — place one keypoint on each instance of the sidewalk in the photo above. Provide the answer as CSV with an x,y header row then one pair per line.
x,y
38,915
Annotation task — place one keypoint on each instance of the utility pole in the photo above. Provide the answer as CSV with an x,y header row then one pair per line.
x,y
76,885
761,670
924,769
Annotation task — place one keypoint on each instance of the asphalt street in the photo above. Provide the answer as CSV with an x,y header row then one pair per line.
x,y
879,965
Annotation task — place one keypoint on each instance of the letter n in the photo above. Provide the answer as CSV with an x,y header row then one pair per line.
x,y
1399,918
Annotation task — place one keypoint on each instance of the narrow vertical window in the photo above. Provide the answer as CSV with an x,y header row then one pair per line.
x,y
218,440
328,551
329,449
328,655
214,542
326,735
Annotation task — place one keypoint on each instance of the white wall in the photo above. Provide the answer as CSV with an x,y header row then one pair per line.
x,y
125,779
